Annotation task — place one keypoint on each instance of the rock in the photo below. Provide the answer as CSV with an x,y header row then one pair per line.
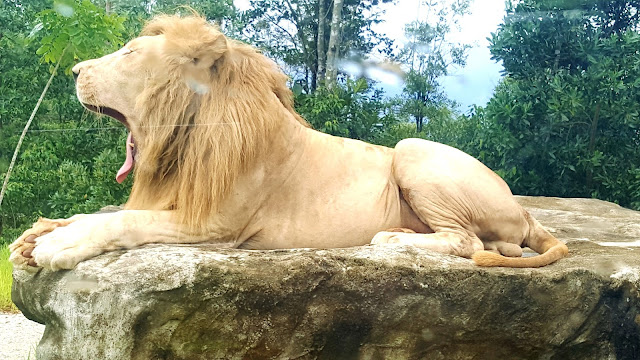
x,y
196,302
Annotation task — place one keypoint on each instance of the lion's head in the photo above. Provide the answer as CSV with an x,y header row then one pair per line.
x,y
199,108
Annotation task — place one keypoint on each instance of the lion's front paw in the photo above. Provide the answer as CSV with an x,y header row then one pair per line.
x,y
63,248
22,250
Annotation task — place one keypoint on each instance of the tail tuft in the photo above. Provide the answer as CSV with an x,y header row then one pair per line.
x,y
488,259
556,252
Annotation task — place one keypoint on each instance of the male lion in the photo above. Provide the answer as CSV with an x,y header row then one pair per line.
x,y
222,157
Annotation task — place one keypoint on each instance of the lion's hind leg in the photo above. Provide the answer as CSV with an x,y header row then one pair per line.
x,y
23,246
445,241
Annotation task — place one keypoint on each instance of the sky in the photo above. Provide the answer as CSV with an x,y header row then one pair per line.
x,y
473,83
468,85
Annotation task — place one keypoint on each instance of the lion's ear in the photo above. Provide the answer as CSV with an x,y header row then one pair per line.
x,y
198,54
204,55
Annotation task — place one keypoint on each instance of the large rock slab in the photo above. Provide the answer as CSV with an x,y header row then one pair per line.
x,y
196,302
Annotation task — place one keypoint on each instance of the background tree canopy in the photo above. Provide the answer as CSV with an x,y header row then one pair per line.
x,y
564,121
568,107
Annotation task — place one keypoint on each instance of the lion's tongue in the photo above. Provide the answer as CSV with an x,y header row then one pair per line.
x,y
128,163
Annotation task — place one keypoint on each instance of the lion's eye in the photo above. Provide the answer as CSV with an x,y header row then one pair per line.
x,y
127,51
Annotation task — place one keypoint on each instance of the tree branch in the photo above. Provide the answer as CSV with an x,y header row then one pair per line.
x,y
293,38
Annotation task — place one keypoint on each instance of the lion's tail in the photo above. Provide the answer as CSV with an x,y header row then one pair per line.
x,y
539,240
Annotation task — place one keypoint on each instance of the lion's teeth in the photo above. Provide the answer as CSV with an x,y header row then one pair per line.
x,y
132,145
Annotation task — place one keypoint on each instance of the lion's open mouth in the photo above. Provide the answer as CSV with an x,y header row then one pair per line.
x,y
109,112
129,161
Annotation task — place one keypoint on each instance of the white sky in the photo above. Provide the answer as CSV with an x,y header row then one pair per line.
x,y
472,84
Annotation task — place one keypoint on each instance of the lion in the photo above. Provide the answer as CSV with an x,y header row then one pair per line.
x,y
220,156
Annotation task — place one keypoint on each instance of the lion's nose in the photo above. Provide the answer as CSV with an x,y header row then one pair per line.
x,y
76,72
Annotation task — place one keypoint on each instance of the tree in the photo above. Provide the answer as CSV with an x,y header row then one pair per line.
x,y
16,52
320,50
290,32
567,111
558,34
64,23
429,54
354,109
223,12
334,40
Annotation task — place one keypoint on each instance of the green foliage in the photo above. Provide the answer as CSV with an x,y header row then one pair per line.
x,y
558,34
566,118
358,111
137,12
424,99
352,110
5,281
64,173
21,73
82,29
66,32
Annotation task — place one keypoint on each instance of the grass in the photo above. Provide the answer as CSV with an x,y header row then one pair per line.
x,y
5,281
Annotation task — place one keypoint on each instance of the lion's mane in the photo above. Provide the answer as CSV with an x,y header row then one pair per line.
x,y
204,119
